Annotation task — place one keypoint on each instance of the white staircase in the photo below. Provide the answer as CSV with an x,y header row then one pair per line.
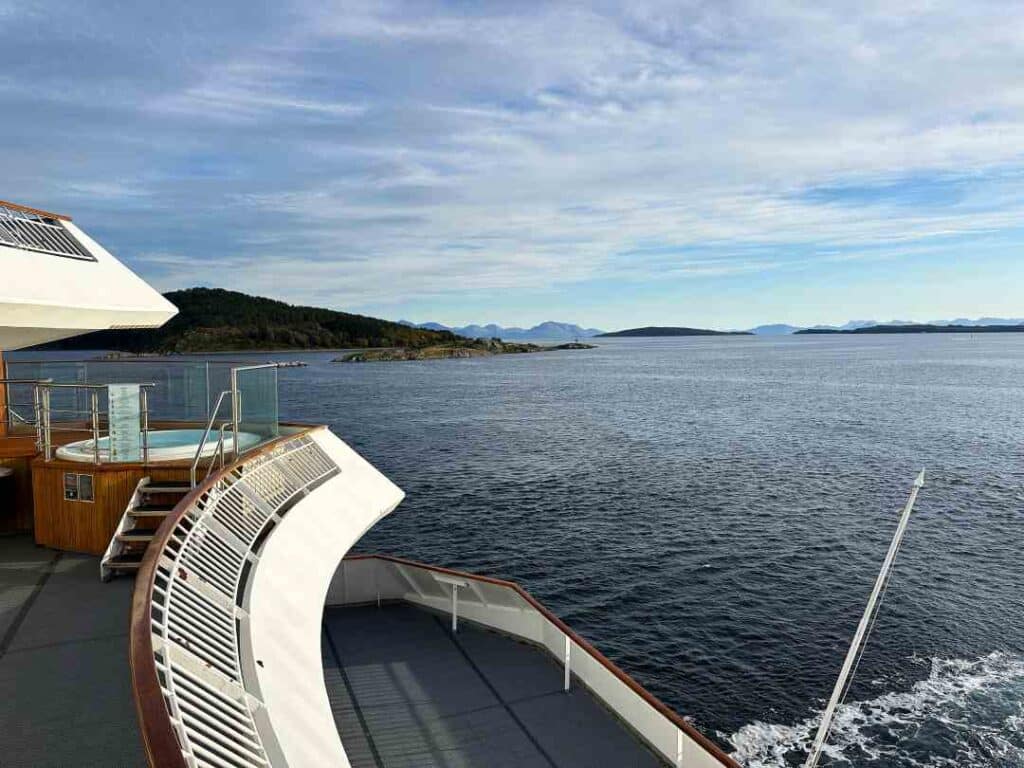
x,y
149,505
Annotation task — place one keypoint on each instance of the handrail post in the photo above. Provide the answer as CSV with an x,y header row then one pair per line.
x,y
236,405
219,449
47,433
94,402
568,666
144,407
37,407
455,608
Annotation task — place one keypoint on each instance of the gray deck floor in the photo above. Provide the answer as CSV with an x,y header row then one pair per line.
x,y
65,684
406,693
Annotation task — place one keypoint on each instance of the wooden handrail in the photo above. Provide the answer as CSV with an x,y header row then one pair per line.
x,y
716,751
36,211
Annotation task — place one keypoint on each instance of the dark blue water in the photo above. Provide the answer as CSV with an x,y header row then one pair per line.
x,y
712,514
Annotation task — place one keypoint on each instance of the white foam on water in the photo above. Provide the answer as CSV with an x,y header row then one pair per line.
x,y
957,716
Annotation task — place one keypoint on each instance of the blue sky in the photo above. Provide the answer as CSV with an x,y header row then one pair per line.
x,y
712,164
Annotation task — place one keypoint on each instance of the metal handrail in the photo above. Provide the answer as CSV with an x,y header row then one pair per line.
x,y
56,385
218,451
45,436
9,406
17,416
206,436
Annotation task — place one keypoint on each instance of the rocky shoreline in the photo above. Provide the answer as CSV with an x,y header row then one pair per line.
x,y
477,348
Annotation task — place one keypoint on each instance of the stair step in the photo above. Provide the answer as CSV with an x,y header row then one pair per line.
x,y
136,536
154,508
129,561
167,486
151,513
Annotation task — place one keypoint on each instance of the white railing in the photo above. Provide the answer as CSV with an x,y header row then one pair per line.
x,y
225,640
197,620
506,607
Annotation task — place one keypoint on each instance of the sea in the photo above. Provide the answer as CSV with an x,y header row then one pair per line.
x,y
711,512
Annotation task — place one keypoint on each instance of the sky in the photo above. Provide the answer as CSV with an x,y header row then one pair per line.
x,y
715,164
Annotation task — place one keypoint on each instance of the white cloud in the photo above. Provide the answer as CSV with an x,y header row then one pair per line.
x,y
375,151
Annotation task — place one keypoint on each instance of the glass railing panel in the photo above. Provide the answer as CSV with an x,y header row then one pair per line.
x,y
181,391
66,405
219,377
257,401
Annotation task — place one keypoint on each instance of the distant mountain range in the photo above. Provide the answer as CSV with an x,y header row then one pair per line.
x,y
854,325
553,331
547,331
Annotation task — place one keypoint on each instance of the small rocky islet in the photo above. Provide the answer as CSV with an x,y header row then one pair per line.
x,y
475,348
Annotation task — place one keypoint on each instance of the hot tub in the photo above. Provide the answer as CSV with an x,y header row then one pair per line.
x,y
164,445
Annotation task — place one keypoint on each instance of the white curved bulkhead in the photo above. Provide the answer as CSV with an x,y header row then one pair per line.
x,y
286,595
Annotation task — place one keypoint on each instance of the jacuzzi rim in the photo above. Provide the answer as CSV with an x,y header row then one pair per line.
x,y
76,451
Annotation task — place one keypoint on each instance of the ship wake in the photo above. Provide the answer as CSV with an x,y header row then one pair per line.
x,y
966,713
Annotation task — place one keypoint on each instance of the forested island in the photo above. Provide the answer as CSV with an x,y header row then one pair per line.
x,y
657,330
217,320
917,328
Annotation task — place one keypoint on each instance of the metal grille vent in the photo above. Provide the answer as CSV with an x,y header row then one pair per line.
x,y
33,232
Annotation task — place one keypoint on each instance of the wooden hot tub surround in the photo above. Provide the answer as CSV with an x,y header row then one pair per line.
x,y
75,525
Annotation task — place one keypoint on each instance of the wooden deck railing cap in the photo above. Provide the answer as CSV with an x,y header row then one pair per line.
x,y
36,211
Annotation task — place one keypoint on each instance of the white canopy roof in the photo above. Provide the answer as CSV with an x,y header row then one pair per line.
x,y
56,282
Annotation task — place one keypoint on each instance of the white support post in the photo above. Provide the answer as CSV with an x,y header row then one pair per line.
x,y
455,608
679,748
376,579
568,664
454,583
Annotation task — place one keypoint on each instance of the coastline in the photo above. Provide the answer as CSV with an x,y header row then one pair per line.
x,y
477,349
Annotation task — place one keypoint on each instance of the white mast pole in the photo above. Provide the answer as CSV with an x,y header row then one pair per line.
x,y
862,628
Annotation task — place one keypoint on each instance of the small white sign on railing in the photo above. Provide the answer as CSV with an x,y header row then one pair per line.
x,y
124,422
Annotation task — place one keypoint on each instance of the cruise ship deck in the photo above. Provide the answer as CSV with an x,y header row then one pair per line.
x,y
177,588
406,691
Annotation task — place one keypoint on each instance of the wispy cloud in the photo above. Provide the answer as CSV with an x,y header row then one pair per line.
x,y
363,153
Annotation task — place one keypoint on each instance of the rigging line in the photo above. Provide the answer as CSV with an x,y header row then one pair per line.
x,y
867,635
870,614
863,648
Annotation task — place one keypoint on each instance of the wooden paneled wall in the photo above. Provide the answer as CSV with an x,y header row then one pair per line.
x,y
3,396
83,526
16,496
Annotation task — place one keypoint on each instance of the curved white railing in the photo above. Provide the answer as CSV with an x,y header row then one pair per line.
x,y
197,622
227,611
